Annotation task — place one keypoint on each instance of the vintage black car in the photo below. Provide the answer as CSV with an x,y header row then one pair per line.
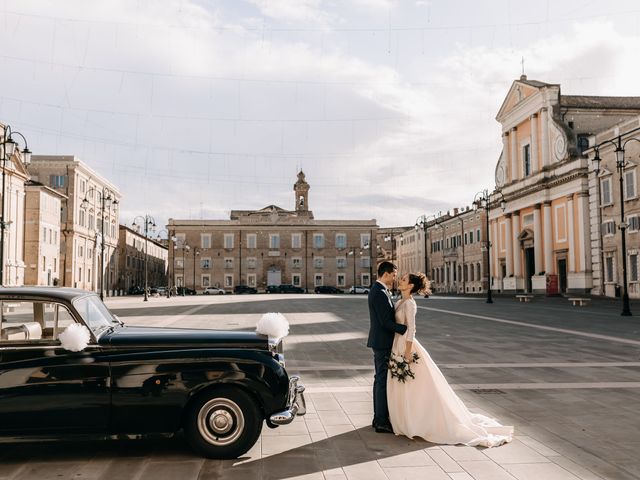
x,y
217,386
327,289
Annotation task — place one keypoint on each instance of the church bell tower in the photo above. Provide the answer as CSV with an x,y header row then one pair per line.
x,y
301,189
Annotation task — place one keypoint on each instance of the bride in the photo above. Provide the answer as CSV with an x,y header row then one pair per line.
x,y
425,405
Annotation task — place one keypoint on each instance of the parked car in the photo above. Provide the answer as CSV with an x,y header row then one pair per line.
x,y
186,290
284,288
162,291
240,289
213,291
327,289
359,289
135,291
218,386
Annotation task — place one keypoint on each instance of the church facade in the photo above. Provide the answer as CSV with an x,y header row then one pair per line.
x,y
273,246
541,239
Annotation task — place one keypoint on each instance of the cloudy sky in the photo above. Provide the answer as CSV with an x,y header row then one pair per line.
x,y
196,107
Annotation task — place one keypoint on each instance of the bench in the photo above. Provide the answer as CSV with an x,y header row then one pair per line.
x,y
524,298
581,302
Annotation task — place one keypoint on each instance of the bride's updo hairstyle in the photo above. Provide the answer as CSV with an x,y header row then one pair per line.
x,y
421,284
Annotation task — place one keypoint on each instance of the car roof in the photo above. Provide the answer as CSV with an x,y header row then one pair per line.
x,y
61,293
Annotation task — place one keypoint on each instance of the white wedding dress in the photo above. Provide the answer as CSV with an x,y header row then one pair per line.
x,y
426,406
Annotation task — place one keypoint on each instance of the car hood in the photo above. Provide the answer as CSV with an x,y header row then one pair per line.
x,y
126,336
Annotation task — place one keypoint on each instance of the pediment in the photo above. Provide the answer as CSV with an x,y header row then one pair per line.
x,y
605,172
518,92
526,234
271,209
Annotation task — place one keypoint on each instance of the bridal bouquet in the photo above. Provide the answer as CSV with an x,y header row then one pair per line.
x,y
400,367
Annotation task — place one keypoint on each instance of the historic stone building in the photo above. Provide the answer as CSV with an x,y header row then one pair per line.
x,y
542,237
134,249
455,246
89,221
42,234
604,193
273,246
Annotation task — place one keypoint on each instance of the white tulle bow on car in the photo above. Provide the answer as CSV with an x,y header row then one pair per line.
x,y
274,325
75,337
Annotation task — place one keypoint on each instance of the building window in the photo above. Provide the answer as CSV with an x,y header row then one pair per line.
x,y
608,262
318,262
630,185
296,279
365,262
526,160
340,280
366,280
318,280
57,181
206,281
251,279
634,223
274,240
477,235
365,239
605,191
609,228
341,240
296,262
205,240
228,262
583,143
179,281
251,262
296,240
228,280
205,263
318,240
633,267
252,240
228,240
341,262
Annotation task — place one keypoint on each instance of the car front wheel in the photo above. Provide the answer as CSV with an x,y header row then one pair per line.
x,y
223,424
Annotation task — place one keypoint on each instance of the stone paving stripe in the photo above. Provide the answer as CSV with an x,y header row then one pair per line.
x,y
330,368
312,388
540,327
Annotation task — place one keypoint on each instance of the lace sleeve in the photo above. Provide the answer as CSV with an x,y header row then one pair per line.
x,y
410,316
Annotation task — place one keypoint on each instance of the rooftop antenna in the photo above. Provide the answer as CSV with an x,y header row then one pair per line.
x,y
522,62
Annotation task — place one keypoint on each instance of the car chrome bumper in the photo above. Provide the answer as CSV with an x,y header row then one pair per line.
x,y
296,404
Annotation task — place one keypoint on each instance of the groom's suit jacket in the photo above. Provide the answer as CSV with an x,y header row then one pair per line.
x,y
382,319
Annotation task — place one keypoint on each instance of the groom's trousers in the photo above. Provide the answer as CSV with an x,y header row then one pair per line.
x,y
380,407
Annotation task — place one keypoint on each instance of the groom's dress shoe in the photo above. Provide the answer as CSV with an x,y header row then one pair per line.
x,y
383,428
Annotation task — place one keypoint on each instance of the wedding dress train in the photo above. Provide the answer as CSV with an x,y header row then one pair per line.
x,y
427,407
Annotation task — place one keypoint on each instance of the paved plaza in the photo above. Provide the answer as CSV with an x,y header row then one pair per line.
x,y
567,378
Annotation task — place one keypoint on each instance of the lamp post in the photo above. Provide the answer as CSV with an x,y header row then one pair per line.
x,y
483,200
8,147
620,166
148,222
423,222
196,252
107,198
185,248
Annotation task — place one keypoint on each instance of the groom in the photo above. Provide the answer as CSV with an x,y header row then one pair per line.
x,y
382,328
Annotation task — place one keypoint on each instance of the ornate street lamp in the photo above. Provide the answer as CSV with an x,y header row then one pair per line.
x,y
107,199
483,200
8,147
620,165
149,223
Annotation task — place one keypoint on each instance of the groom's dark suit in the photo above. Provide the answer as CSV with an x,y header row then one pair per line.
x,y
382,328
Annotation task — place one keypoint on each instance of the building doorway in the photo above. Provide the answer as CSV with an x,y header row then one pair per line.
x,y
562,274
530,267
274,276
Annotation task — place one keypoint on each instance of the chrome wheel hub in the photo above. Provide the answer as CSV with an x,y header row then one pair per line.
x,y
221,421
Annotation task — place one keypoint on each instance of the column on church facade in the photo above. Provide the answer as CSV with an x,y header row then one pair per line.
x,y
507,156
508,245
548,242
537,239
544,136
571,239
535,161
513,155
515,232
584,263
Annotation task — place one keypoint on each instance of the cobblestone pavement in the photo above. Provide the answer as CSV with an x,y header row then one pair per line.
x,y
567,378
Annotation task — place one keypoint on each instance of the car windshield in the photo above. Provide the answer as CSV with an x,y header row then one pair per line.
x,y
96,316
